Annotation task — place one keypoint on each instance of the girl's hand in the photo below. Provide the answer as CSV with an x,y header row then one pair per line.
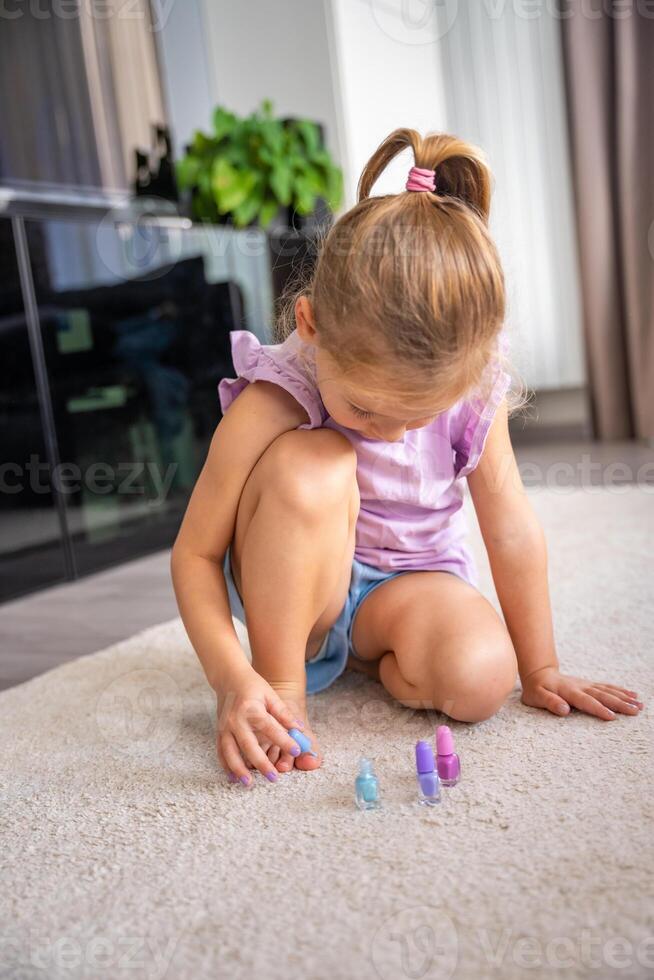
x,y
248,710
556,692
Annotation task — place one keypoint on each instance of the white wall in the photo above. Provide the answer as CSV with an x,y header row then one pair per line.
x,y
504,86
277,50
383,81
179,31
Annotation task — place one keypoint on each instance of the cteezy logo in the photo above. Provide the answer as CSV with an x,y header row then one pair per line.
x,y
418,943
415,21
140,712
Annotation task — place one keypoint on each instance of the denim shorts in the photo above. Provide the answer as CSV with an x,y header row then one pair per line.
x,y
330,660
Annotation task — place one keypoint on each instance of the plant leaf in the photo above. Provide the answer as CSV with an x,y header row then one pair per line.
x,y
315,181
281,182
305,199
201,143
269,209
224,122
273,136
186,171
334,194
310,134
230,186
248,209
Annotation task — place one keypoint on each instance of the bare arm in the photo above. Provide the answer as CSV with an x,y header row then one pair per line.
x,y
516,548
256,417
517,553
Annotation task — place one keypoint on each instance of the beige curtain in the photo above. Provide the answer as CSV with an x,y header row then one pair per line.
x,y
608,53
46,118
123,79
78,93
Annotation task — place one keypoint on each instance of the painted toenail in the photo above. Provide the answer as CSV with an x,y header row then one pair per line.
x,y
272,776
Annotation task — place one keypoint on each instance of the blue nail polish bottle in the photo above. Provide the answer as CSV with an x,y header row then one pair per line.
x,y
428,782
366,787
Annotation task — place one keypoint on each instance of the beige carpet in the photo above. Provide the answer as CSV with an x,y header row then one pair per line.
x,y
126,854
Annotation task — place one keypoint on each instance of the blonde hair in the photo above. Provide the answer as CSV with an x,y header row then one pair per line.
x,y
410,285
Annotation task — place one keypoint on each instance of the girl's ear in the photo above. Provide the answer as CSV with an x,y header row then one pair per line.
x,y
304,320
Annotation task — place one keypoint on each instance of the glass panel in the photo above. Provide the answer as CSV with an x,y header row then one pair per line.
x,y
31,553
135,324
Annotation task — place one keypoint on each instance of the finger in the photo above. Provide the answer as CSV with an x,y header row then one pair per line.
x,y
550,701
260,720
621,691
614,687
251,749
223,765
614,701
586,702
288,717
271,728
269,748
233,759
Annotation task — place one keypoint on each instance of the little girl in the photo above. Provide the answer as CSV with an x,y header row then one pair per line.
x,y
328,515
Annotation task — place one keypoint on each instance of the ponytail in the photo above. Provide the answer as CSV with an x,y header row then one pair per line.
x,y
461,171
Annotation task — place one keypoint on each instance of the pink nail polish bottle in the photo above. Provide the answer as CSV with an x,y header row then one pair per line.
x,y
447,761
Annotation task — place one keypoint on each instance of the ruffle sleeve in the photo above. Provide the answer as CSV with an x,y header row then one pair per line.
x,y
278,363
476,414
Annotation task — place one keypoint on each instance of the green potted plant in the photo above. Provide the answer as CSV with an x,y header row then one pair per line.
x,y
258,170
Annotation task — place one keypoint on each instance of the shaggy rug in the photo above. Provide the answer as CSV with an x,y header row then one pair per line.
x,y
125,853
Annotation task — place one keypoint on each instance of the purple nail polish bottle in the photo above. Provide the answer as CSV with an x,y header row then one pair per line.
x,y
449,766
428,781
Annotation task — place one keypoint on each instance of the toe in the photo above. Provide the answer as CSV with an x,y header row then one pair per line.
x,y
306,761
285,762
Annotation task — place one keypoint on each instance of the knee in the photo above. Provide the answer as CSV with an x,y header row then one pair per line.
x,y
482,678
312,469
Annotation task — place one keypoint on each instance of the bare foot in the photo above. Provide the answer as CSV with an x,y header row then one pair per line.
x,y
295,697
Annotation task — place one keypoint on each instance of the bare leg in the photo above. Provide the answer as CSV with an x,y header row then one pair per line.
x,y
438,644
292,557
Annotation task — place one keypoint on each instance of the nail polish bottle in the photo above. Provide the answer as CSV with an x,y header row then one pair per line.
x,y
366,787
302,740
447,761
428,781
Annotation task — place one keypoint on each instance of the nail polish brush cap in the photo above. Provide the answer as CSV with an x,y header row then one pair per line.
x,y
302,740
424,757
444,740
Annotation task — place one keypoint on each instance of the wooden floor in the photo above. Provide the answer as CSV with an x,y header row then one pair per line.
x,y
58,624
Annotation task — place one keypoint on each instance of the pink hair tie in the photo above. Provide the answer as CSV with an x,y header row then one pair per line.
x,y
421,179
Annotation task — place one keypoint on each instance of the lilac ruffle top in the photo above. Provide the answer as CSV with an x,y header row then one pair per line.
x,y
411,514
